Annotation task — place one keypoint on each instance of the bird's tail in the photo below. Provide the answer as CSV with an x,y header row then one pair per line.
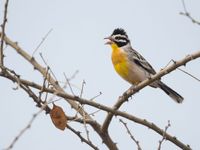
x,y
174,95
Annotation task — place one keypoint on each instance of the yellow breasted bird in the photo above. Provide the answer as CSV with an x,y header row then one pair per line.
x,y
132,66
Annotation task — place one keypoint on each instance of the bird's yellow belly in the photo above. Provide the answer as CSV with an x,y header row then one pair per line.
x,y
122,69
126,69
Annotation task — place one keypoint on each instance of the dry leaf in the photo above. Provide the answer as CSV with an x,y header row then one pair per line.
x,y
58,117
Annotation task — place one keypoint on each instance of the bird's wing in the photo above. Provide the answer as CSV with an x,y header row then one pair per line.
x,y
141,61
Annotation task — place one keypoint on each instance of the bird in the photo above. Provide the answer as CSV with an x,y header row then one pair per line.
x,y
132,66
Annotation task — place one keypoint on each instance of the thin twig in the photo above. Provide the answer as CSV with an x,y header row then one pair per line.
x,y
67,81
100,93
130,134
84,115
82,138
3,26
80,119
164,135
182,70
82,87
73,75
187,14
85,126
43,39
44,85
95,112
48,67
189,74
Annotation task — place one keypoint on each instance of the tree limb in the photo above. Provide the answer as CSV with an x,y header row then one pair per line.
x,y
3,32
82,138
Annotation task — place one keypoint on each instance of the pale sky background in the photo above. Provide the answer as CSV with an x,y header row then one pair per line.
x,y
156,30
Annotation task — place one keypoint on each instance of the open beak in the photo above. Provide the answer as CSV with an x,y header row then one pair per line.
x,y
110,40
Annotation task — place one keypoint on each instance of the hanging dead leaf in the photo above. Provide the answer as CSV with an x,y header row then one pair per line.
x,y
58,117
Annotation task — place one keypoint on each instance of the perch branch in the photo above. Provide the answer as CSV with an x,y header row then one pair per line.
x,y
132,90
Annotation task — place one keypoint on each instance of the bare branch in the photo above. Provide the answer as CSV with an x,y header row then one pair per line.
x,y
130,117
86,129
164,133
182,70
16,78
73,75
96,96
3,26
43,39
42,70
48,67
43,86
131,135
70,87
82,138
187,14
82,87
189,74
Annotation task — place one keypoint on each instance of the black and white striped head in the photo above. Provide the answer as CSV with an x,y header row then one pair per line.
x,y
119,37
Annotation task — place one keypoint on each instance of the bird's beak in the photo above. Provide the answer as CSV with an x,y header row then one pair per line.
x,y
110,40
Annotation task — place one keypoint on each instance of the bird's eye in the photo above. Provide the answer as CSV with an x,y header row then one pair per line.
x,y
117,38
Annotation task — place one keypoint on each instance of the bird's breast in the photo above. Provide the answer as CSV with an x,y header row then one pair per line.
x,y
127,69
119,60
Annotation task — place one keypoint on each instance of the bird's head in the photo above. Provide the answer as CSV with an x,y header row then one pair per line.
x,y
118,37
